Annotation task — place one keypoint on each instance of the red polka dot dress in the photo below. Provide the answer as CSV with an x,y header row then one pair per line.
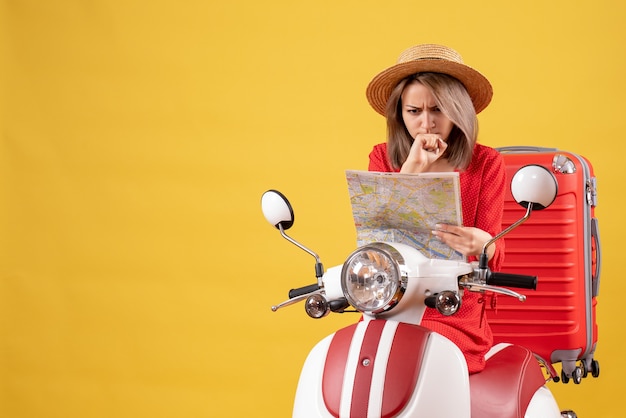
x,y
482,199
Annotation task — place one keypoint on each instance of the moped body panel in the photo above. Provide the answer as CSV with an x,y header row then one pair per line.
x,y
384,368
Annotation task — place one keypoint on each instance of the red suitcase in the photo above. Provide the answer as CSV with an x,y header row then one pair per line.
x,y
560,245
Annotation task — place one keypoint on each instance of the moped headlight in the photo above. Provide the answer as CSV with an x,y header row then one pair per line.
x,y
372,278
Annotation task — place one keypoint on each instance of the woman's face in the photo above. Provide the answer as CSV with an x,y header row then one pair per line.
x,y
420,112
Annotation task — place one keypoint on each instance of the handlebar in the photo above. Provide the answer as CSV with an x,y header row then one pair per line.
x,y
512,280
303,290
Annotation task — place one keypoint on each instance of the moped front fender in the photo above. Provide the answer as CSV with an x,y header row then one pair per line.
x,y
384,368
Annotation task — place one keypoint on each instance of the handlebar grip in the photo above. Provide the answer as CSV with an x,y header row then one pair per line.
x,y
512,280
303,290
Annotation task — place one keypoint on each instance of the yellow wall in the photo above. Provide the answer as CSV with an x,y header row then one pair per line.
x,y
137,136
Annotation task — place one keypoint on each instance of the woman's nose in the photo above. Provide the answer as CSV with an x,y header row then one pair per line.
x,y
428,121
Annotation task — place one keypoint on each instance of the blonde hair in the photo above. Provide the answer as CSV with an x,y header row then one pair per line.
x,y
455,103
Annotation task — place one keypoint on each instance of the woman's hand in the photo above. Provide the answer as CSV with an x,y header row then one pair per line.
x,y
426,149
467,240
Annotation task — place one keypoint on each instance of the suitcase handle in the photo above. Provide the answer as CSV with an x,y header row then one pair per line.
x,y
596,258
523,149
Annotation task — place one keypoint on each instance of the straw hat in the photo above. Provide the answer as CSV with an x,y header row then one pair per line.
x,y
429,58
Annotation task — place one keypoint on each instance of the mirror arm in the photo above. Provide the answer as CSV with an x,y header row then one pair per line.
x,y
319,268
484,258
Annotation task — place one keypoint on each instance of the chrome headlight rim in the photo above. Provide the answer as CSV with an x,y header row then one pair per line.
x,y
399,279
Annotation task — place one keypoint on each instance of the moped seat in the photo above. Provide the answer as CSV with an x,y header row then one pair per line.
x,y
507,384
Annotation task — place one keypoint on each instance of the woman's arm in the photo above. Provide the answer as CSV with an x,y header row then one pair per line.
x,y
491,204
482,190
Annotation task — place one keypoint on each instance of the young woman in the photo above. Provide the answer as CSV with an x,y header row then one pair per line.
x,y
430,99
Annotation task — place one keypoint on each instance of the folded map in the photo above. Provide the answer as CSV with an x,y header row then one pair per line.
x,y
394,207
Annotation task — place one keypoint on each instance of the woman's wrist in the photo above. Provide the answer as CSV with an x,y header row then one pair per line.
x,y
410,167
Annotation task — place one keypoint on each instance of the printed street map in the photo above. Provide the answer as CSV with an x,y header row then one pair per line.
x,y
405,208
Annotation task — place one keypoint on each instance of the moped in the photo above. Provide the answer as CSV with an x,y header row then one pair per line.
x,y
386,364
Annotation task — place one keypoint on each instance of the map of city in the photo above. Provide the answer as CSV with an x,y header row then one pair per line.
x,y
405,208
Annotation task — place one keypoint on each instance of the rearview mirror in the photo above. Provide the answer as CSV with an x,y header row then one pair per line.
x,y
534,184
277,209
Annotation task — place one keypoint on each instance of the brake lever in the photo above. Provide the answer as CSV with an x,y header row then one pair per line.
x,y
295,300
476,287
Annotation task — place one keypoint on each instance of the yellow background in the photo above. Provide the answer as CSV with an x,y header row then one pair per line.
x,y
136,269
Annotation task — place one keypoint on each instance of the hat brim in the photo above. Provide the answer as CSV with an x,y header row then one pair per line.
x,y
381,86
